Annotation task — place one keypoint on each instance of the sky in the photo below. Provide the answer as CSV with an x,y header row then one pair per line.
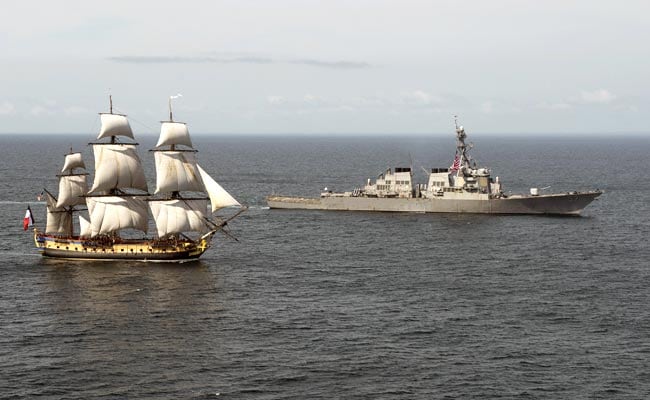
x,y
328,67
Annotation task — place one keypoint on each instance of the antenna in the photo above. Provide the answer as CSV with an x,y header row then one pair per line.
x,y
110,102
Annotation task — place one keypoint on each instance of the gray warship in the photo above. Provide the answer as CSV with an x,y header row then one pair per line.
x,y
461,188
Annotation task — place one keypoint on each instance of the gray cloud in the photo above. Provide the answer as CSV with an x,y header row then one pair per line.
x,y
233,60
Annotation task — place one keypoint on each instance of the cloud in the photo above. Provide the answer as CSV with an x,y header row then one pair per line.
x,y
492,107
6,108
598,96
276,100
561,106
250,59
368,101
313,100
416,101
419,98
585,97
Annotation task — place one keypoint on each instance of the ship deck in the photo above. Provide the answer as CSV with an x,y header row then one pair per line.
x,y
551,204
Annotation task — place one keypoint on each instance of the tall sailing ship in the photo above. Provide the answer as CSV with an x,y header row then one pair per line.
x,y
119,203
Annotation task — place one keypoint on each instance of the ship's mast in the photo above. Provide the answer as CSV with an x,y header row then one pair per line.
x,y
171,119
172,147
177,172
110,110
461,146
117,167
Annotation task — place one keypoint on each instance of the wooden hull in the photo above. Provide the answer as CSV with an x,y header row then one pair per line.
x,y
121,249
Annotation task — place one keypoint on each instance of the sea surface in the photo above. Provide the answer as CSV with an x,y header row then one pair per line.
x,y
343,305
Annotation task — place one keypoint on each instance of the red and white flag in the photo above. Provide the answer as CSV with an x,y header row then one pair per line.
x,y
29,219
456,165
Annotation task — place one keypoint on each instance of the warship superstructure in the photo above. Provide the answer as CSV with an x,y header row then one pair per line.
x,y
119,202
461,188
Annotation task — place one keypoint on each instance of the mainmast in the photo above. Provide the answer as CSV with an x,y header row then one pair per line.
x,y
110,110
117,167
171,118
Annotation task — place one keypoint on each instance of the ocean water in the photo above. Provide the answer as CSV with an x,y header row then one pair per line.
x,y
351,305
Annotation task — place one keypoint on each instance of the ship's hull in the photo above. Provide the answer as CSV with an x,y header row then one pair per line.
x,y
120,249
552,204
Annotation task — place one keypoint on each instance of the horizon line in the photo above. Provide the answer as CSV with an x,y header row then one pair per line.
x,y
538,133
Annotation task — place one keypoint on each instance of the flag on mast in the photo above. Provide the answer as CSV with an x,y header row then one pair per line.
x,y
456,165
29,219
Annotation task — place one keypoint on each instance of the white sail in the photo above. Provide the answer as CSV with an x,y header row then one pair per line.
x,y
111,213
219,198
117,166
178,215
71,188
114,125
72,161
85,229
176,171
59,221
172,133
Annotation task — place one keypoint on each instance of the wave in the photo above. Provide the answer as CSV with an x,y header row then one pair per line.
x,y
13,253
21,202
259,207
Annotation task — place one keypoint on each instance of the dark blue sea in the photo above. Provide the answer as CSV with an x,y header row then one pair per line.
x,y
344,305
